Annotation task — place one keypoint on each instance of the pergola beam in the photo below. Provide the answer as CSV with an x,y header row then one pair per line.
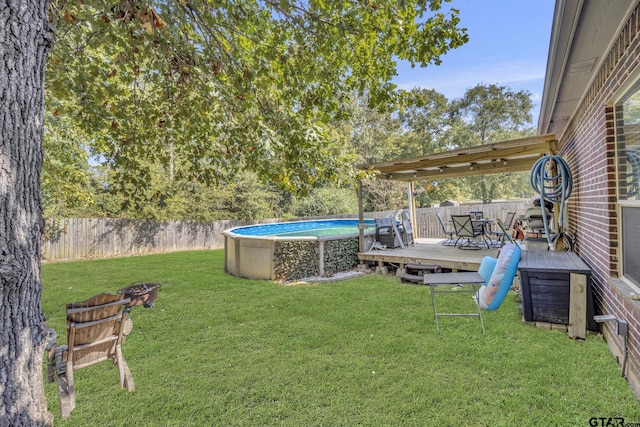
x,y
456,171
500,157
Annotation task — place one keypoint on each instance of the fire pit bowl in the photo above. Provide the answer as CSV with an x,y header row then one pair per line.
x,y
141,293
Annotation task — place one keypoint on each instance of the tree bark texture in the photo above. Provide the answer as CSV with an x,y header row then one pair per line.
x,y
25,39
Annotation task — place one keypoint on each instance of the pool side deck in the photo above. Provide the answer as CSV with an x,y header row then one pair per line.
x,y
429,251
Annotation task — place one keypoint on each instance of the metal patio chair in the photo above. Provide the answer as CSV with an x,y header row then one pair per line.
x,y
466,231
450,240
502,231
406,231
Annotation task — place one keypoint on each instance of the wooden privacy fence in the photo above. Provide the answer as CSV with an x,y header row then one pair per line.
x,y
427,224
79,238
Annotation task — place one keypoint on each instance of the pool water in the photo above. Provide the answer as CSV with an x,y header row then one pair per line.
x,y
320,232
319,228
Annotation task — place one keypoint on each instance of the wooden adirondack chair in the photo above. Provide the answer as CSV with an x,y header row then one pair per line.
x,y
96,329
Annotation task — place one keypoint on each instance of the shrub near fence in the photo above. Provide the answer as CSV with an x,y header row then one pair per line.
x,y
79,238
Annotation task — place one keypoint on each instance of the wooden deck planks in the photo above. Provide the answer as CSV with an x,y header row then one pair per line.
x,y
430,251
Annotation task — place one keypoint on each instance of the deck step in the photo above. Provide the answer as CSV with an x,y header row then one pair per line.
x,y
412,278
420,270
424,268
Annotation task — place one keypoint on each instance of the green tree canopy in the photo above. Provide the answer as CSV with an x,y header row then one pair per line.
x,y
227,86
492,113
427,120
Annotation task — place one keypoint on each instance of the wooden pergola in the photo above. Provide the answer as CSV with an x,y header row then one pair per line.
x,y
516,155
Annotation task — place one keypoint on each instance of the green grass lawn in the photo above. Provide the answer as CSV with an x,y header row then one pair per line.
x,y
217,350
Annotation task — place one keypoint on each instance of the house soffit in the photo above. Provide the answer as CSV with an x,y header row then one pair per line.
x,y
582,34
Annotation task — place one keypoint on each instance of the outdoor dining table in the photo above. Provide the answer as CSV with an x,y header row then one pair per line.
x,y
485,227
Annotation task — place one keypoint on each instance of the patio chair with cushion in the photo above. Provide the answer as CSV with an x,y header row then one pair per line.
x,y
466,231
96,329
450,241
489,284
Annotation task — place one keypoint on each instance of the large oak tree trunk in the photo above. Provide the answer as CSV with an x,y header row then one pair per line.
x,y
25,38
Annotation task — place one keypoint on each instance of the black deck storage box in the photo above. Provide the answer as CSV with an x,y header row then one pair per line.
x,y
546,282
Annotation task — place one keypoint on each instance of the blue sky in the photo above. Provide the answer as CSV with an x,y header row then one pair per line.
x,y
508,45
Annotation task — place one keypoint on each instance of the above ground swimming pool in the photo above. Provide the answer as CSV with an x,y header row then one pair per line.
x,y
288,251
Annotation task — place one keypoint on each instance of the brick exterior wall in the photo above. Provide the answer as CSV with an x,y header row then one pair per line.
x,y
588,146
